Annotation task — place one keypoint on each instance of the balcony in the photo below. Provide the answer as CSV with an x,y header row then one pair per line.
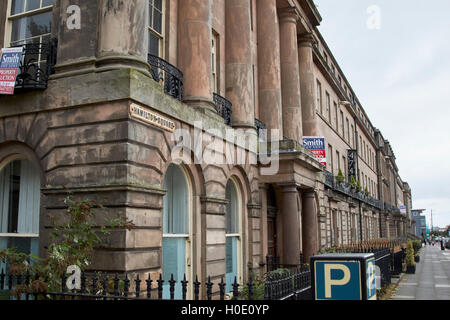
x,y
224,108
168,75
37,64
346,189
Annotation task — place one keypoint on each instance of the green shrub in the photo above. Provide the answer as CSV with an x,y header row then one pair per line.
x,y
340,177
410,254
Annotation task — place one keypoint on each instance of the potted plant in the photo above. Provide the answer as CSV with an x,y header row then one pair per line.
x,y
410,263
353,183
358,186
366,191
340,177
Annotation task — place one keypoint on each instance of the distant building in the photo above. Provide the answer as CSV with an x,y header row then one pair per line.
x,y
421,222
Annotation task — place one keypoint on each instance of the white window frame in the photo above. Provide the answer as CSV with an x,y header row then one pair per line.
x,y
10,18
161,35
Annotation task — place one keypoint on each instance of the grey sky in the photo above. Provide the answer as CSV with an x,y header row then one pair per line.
x,y
401,75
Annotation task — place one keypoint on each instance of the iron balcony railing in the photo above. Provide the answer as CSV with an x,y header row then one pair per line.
x,y
168,75
224,108
37,64
347,189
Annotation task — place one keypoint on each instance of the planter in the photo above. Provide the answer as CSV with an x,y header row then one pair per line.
x,y
417,258
410,269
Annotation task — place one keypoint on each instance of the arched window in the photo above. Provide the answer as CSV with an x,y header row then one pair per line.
x,y
233,236
19,207
176,233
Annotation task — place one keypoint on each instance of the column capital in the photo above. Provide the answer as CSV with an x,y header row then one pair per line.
x,y
306,39
288,15
288,187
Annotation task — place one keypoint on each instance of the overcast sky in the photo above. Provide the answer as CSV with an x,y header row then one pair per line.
x,y
396,56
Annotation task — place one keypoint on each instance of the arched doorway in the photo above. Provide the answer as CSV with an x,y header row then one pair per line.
x,y
233,251
176,247
20,192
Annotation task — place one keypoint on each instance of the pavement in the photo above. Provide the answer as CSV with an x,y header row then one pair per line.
x,y
431,280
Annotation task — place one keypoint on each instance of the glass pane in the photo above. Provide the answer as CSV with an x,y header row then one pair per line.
x,y
232,214
150,16
17,6
14,191
33,4
157,22
23,245
31,26
231,262
174,263
158,5
176,210
153,45
46,3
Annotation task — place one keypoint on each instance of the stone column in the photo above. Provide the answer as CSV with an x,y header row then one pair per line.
x,y
307,85
239,63
123,34
310,230
194,52
291,225
269,77
77,48
290,77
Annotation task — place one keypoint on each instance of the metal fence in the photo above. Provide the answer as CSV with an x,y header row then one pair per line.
x,y
96,286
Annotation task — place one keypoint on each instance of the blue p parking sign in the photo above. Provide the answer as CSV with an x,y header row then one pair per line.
x,y
338,280
344,277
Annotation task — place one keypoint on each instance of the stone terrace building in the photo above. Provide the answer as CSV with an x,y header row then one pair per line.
x,y
110,90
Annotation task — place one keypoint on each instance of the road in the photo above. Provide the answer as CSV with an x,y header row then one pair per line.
x,y
432,278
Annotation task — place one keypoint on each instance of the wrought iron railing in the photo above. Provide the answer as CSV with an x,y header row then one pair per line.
x,y
348,190
261,129
224,108
168,75
294,285
37,64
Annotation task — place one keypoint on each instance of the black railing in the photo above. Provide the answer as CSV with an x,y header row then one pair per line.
x,y
261,129
94,286
383,262
348,190
224,108
293,285
167,74
37,64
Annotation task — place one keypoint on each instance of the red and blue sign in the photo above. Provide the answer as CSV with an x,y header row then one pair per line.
x,y
9,69
317,146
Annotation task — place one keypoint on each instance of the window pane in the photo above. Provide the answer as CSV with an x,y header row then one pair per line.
x,y
17,6
150,14
153,45
31,26
158,4
232,215
46,3
33,5
157,21
176,210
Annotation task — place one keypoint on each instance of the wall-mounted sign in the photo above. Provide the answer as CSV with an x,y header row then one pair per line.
x,y
151,117
317,146
352,164
9,69
403,210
